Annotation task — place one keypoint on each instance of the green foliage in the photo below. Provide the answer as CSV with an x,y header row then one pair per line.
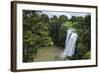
x,y
57,31
35,34
62,19
87,55
82,26
41,31
73,19
69,24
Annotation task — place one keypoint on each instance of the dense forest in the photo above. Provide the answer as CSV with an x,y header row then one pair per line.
x,y
40,30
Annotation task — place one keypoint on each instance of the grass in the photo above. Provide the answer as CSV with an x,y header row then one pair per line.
x,y
48,54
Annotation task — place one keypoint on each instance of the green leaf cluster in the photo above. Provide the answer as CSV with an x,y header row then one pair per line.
x,y
39,30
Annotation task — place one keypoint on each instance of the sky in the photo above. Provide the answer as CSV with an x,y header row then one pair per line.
x,y
68,14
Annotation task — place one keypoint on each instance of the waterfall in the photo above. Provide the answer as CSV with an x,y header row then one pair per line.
x,y
71,38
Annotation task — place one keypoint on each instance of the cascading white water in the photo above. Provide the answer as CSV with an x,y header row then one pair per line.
x,y
70,43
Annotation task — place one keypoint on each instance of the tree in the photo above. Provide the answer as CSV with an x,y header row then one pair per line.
x,y
56,29
63,19
35,33
82,27
41,31
73,19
